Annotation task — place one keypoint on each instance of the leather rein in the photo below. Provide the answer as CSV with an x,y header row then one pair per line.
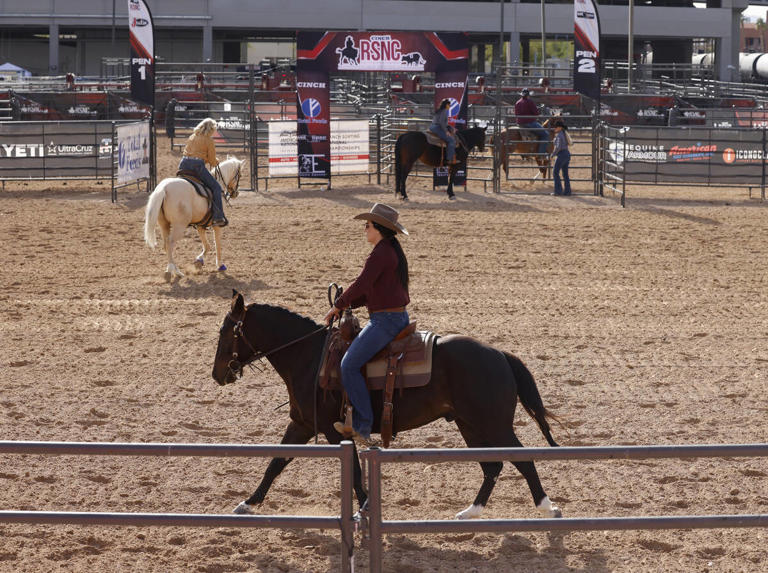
x,y
232,185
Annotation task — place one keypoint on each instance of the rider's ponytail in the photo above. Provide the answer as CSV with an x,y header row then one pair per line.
x,y
402,262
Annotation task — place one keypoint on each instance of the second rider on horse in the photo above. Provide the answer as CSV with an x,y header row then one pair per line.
x,y
383,287
199,150
441,129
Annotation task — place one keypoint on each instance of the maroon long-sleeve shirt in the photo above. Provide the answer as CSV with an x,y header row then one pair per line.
x,y
378,286
526,111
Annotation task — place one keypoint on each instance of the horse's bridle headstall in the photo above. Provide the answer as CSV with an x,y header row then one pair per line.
x,y
234,365
231,185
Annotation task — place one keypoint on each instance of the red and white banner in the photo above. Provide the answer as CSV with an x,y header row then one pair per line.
x,y
141,33
586,48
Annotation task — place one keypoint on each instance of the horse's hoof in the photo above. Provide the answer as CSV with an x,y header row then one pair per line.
x,y
199,261
404,198
222,268
243,509
451,197
167,276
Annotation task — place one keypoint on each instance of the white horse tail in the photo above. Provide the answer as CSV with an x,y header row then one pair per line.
x,y
153,210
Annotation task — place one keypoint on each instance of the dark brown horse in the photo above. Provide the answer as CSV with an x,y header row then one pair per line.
x,y
473,384
513,141
412,146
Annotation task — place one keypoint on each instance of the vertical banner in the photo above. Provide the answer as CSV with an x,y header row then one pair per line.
x,y
313,111
452,85
586,49
141,32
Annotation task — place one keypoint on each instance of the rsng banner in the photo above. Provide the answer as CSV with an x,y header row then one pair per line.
x,y
586,54
132,152
142,52
319,53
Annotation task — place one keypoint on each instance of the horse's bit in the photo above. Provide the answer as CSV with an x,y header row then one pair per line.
x,y
234,365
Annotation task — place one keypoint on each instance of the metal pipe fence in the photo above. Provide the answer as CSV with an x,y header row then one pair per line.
x,y
377,526
344,522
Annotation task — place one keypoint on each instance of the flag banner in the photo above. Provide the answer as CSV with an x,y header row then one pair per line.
x,y
452,85
586,49
142,52
313,109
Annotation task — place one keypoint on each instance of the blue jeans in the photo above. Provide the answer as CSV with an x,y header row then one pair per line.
x,y
561,164
198,166
540,132
380,331
450,142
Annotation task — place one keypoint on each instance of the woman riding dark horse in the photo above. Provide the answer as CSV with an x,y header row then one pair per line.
x,y
472,383
412,146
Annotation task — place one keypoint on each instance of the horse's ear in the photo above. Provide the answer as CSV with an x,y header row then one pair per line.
x,y
238,305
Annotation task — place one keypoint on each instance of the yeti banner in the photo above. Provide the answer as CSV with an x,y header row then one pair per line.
x,y
142,52
322,53
586,49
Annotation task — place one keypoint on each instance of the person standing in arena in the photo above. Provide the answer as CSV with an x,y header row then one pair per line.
x,y
562,157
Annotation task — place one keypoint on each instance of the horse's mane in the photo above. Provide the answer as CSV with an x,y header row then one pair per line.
x,y
284,312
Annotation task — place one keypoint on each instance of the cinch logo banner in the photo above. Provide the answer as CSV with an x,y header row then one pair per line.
x,y
141,32
313,112
586,48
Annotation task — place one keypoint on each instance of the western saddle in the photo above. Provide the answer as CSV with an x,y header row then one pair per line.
x,y
406,362
202,189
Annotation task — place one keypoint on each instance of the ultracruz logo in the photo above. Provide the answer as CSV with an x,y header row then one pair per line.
x,y
310,107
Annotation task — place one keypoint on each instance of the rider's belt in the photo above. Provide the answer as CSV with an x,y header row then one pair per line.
x,y
193,157
393,309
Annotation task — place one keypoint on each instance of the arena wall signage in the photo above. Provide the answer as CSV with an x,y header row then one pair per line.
x,y
349,147
132,152
141,32
319,53
67,149
703,155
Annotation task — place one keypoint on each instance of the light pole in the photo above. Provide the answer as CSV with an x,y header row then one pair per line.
x,y
543,37
630,42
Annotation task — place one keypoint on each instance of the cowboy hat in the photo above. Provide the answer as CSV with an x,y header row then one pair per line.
x,y
383,215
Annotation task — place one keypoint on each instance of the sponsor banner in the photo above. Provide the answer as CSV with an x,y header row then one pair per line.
x,y
313,109
695,155
452,85
141,33
132,152
382,51
586,49
55,150
349,147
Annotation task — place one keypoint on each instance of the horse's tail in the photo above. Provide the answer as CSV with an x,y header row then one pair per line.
x,y
153,210
530,397
398,166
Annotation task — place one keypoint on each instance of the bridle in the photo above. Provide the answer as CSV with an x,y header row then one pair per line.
x,y
233,184
234,365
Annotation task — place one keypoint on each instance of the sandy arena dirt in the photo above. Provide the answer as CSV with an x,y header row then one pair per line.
x,y
642,326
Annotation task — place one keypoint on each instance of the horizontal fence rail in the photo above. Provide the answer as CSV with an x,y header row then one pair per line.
x,y
344,522
375,457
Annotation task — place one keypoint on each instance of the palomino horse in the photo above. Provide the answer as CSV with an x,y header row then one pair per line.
x,y
512,141
412,146
175,205
472,383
